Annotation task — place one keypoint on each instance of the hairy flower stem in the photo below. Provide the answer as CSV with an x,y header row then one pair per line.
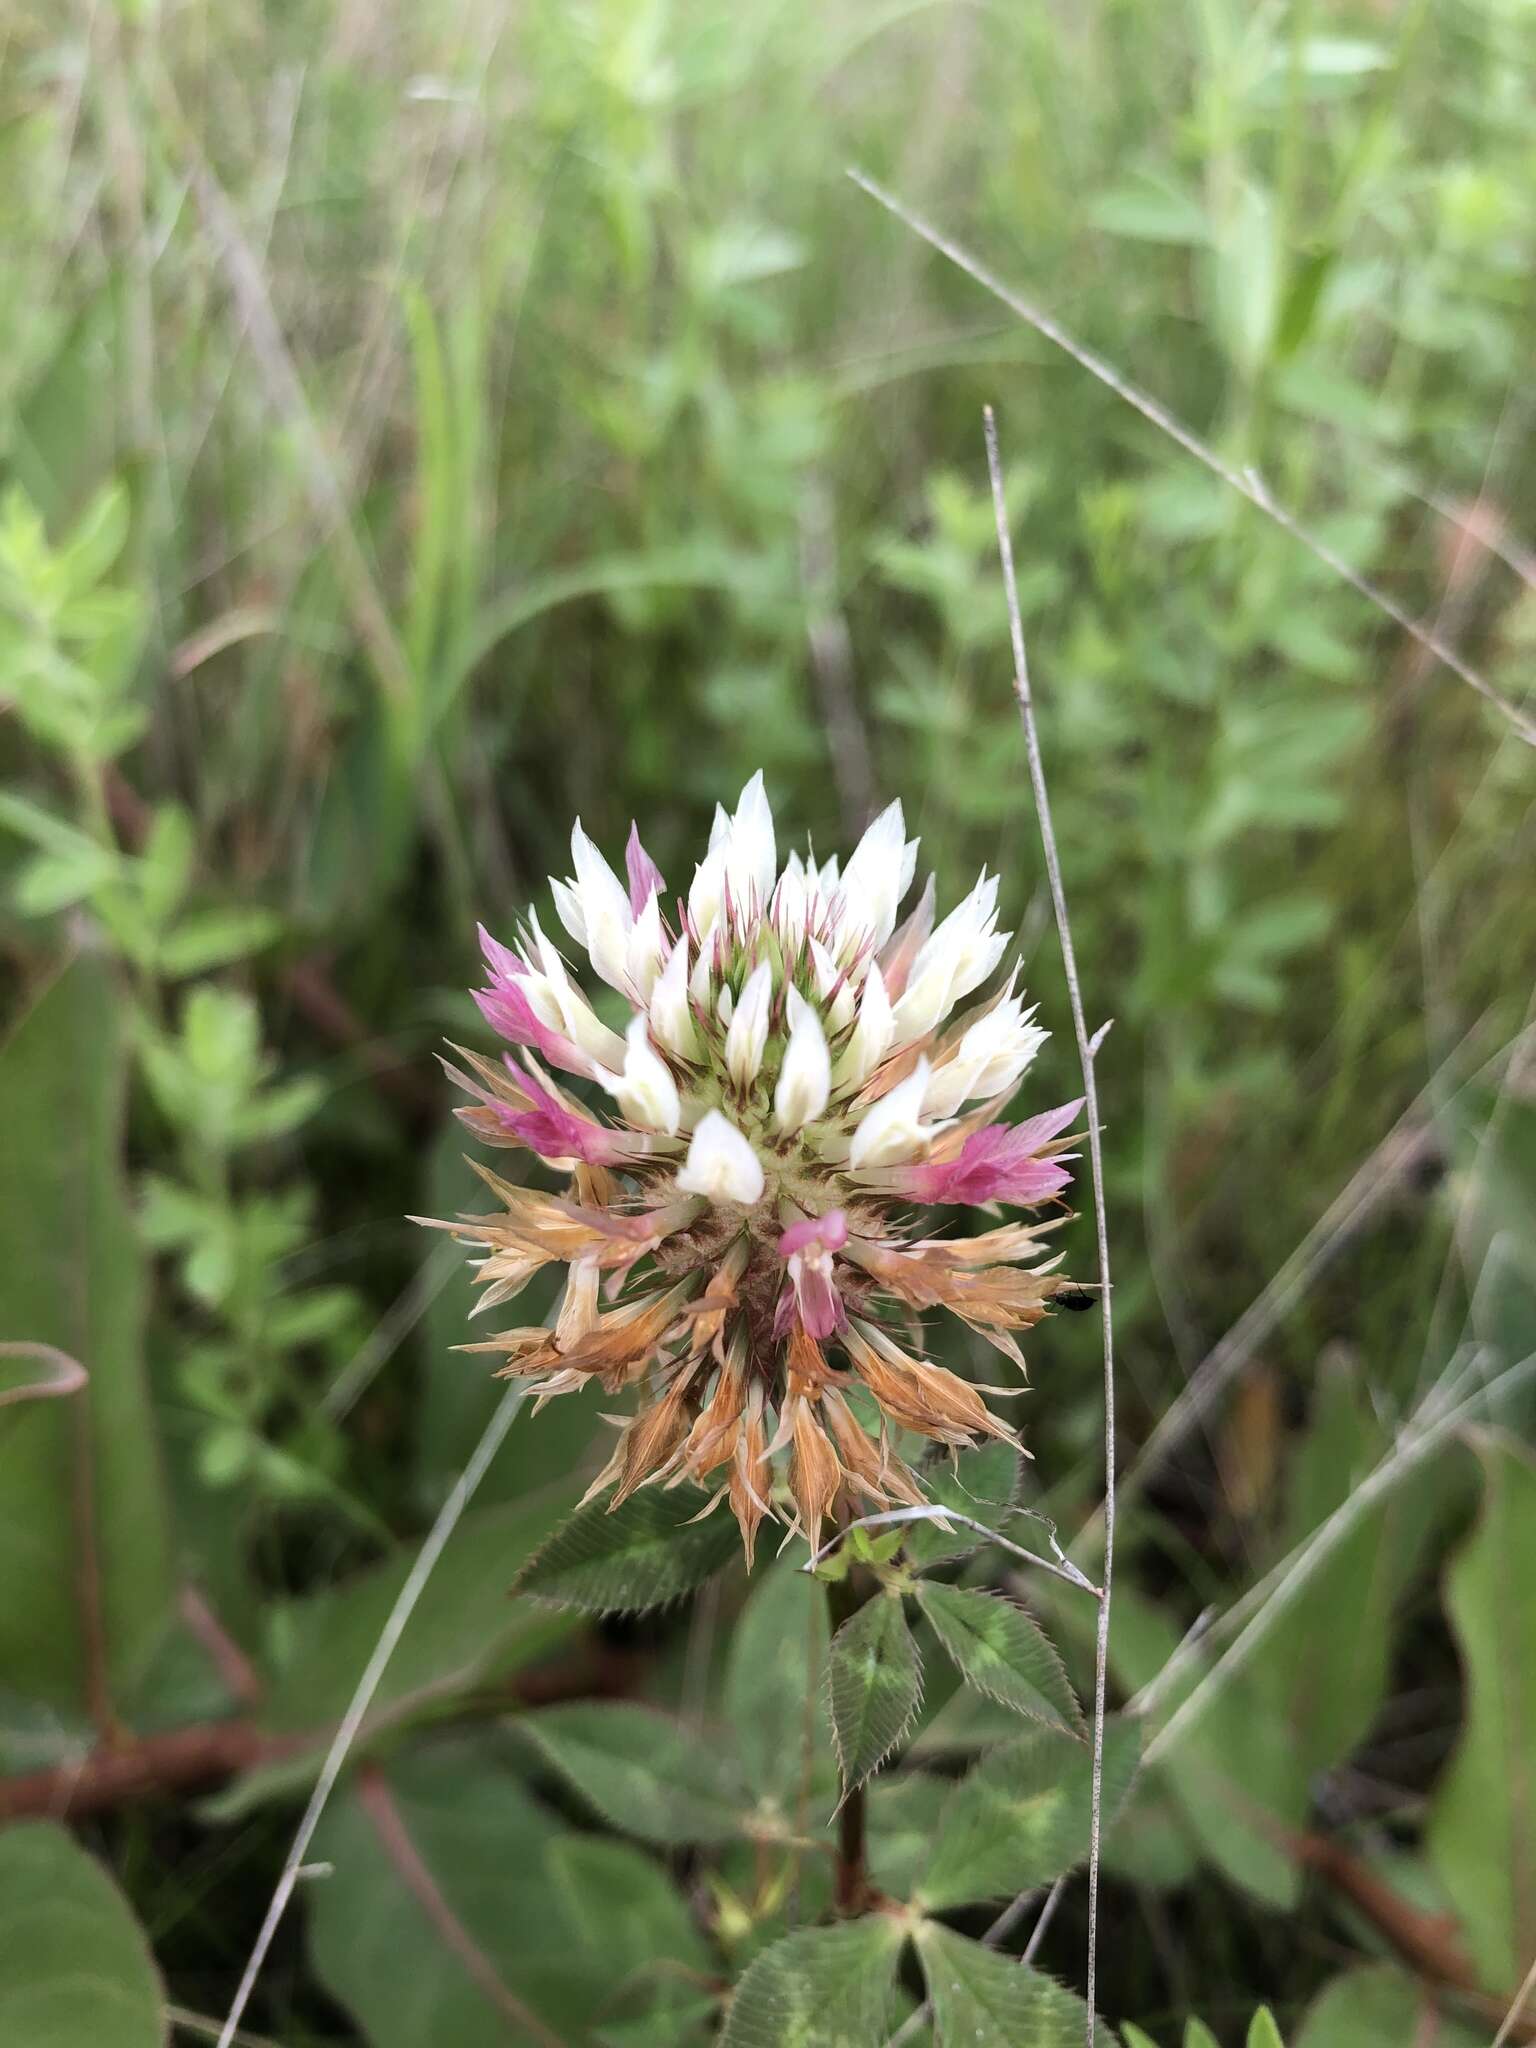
x,y
845,1596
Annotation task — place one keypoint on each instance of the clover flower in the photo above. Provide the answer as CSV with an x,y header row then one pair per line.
x,y
742,1236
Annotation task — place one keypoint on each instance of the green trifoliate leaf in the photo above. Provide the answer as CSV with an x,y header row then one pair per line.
x,y
875,1686
644,1773
826,1987
980,1483
1021,1817
985,2000
777,1665
645,1553
75,1970
1000,1651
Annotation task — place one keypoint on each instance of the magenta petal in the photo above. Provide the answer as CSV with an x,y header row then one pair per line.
x,y
806,1232
506,1008
998,1164
821,1306
555,1132
644,875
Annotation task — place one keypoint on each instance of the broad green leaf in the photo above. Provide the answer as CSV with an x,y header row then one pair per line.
x,y
1021,1817
642,1772
1482,1830
75,1968
1262,2031
212,938
1325,1662
1002,1652
1381,2007
465,1633
905,1808
1147,209
458,1908
72,1276
1131,2036
773,1681
1235,1771
826,1987
643,1554
1198,2035
985,2000
981,1483
874,1685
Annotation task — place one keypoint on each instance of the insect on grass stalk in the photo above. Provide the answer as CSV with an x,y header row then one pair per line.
x,y
1087,1047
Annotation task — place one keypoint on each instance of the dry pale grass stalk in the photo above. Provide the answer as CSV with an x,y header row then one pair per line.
x,y
1246,482
1087,1047
351,1724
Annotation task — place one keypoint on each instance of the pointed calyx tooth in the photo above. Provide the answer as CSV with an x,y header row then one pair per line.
x,y
721,1165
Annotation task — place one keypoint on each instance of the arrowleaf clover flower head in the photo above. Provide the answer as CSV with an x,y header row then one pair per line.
x,y
801,1075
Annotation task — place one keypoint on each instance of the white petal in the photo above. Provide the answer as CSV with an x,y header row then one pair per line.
x,y
957,957
751,859
720,1163
893,1129
792,903
871,1035
643,952
748,1035
605,911
708,890
701,981
805,1077
671,1011
878,875
645,1090
574,1014
829,976
568,908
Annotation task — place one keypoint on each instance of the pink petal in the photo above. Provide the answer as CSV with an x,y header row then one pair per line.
x,y
999,1163
644,875
555,1132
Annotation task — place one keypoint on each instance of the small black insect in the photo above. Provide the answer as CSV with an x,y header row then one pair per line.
x,y
1076,1299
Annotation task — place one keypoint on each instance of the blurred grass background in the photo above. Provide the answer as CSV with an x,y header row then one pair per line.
x,y
419,426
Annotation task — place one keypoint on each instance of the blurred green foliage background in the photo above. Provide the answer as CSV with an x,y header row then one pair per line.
x,y
421,425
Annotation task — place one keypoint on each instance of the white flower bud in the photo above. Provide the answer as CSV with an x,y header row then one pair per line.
x,y
957,957
893,1130
574,1015
671,1013
871,1035
701,981
594,909
643,951
877,876
830,976
805,1077
751,858
645,1089
721,1164
748,1033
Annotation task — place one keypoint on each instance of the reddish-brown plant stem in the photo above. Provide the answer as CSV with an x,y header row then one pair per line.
x,y
845,1596
195,1758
